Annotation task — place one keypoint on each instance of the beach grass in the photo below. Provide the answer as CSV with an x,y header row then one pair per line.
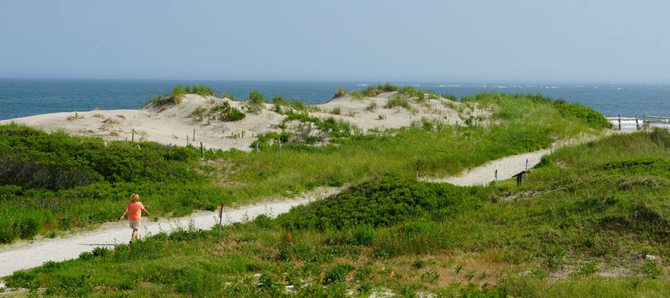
x,y
597,231
88,181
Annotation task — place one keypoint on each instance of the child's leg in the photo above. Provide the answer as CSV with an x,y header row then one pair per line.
x,y
134,234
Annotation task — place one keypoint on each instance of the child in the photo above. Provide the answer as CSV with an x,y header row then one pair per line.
x,y
134,210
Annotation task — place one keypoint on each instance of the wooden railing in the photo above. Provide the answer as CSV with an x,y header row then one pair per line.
x,y
646,120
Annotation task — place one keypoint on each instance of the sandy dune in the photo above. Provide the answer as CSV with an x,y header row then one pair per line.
x,y
173,124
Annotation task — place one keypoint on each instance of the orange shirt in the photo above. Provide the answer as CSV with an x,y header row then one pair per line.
x,y
135,211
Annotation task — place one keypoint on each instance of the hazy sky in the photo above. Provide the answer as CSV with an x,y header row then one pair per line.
x,y
445,41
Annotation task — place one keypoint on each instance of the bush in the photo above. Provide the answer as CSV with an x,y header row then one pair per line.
x,y
225,112
29,226
380,202
593,118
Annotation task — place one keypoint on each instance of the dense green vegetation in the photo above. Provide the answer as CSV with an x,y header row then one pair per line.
x,y
225,112
58,182
592,221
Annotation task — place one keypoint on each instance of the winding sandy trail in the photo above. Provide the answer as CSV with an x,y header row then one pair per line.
x,y
508,166
29,254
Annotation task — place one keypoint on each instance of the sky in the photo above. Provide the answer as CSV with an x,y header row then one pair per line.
x,y
589,41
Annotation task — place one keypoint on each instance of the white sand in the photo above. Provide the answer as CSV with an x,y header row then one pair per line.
x,y
172,124
29,254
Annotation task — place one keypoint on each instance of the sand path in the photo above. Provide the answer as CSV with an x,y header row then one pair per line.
x,y
507,166
29,254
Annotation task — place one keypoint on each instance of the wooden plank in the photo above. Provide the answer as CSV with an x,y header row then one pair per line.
x,y
658,117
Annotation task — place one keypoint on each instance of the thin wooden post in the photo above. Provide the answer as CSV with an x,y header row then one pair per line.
x,y
202,150
220,220
256,146
637,123
279,144
187,140
644,121
193,139
133,136
526,179
619,121
496,177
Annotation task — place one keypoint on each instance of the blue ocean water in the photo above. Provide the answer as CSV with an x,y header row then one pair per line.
x,y
21,97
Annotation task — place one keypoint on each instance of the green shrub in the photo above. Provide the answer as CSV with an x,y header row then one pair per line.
x,y
380,202
29,226
585,113
6,231
225,112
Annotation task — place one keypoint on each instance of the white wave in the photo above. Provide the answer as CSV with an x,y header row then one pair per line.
x,y
501,87
363,85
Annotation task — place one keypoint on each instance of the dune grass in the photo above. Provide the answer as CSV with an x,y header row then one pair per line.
x,y
91,195
597,232
176,96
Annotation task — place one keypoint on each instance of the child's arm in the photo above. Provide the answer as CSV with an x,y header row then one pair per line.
x,y
147,212
124,213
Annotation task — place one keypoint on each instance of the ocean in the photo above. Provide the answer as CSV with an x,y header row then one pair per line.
x,y
26,97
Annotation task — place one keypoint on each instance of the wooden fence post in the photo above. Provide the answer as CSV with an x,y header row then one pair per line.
x,y
202,150
220,220
644,121
496,177
619,121
193,139
133,136
186,140
256,146
637,123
